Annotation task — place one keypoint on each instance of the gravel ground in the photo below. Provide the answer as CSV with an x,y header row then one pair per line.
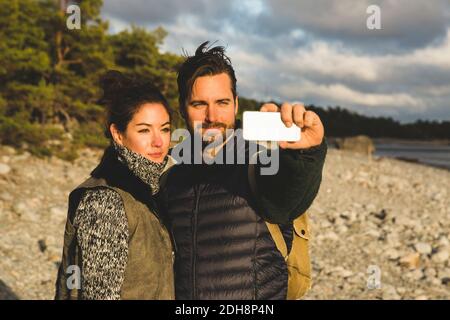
x,y
380,229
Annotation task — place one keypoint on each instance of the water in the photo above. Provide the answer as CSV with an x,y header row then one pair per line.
x,y
430,154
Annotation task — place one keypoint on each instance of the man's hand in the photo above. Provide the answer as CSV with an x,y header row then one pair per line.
x,y
308,121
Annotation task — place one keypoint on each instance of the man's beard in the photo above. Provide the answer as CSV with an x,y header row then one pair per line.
x,y
213,136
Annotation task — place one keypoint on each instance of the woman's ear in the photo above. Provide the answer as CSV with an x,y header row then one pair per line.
x,y
116,134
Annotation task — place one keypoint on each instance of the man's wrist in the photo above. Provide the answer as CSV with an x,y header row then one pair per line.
x,y
313,149
307,151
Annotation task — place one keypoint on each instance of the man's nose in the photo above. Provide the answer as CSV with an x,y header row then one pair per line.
x,y
211,114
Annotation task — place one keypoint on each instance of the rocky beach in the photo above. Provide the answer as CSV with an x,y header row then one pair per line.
x,y
380,227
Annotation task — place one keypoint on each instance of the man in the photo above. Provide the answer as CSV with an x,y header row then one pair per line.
x,y
224,249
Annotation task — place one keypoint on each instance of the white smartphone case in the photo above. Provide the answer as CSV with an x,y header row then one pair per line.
x,y
267,126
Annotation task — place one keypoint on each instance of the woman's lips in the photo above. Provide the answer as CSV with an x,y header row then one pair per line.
x,y
155,155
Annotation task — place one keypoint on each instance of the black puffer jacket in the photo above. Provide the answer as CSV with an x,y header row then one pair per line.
x,y
223,247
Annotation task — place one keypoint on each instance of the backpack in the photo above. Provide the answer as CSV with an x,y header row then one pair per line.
x,y
297,260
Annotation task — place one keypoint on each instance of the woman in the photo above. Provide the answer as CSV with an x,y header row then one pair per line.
x,y
115,244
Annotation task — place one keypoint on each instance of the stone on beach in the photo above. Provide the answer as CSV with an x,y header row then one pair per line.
x,y
384,222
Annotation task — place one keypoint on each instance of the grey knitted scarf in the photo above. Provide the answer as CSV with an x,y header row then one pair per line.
x,y
146,170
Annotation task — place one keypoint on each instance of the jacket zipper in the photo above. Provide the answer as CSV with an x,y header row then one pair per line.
x,y
194,241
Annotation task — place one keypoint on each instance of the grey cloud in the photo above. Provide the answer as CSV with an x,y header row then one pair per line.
x,y
151,12
288,25
406,24
144,11
400,79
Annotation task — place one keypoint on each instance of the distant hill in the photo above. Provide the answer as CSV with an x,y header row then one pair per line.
x,y
340,122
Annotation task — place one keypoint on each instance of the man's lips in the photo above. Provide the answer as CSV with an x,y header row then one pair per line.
x,y
213,129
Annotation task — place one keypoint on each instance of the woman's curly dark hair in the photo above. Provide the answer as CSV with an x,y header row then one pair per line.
x,y
123,96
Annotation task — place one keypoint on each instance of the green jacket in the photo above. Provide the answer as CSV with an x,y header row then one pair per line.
x,y
114,241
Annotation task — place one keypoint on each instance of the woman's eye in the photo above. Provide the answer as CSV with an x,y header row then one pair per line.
x,y
166,130
144,131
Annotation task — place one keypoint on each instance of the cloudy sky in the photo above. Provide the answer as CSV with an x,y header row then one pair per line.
x,y
316,51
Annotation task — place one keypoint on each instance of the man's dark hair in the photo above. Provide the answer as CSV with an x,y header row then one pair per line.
x,y
123,96
207,61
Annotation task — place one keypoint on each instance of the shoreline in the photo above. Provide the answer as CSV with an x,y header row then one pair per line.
x,y
414,161
433,153
388,140
438,142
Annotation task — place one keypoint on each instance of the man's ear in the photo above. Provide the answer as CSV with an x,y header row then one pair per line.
x,y
116,134
236,105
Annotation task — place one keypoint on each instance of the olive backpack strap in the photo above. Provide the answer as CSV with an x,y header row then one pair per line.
x,y
298,260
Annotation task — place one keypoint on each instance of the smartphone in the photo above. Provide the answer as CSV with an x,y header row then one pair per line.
x,y
267,126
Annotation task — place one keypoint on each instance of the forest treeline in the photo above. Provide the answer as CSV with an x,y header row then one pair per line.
x,y
341,122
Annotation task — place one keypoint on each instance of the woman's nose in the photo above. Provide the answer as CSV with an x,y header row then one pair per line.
x,y
157,141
